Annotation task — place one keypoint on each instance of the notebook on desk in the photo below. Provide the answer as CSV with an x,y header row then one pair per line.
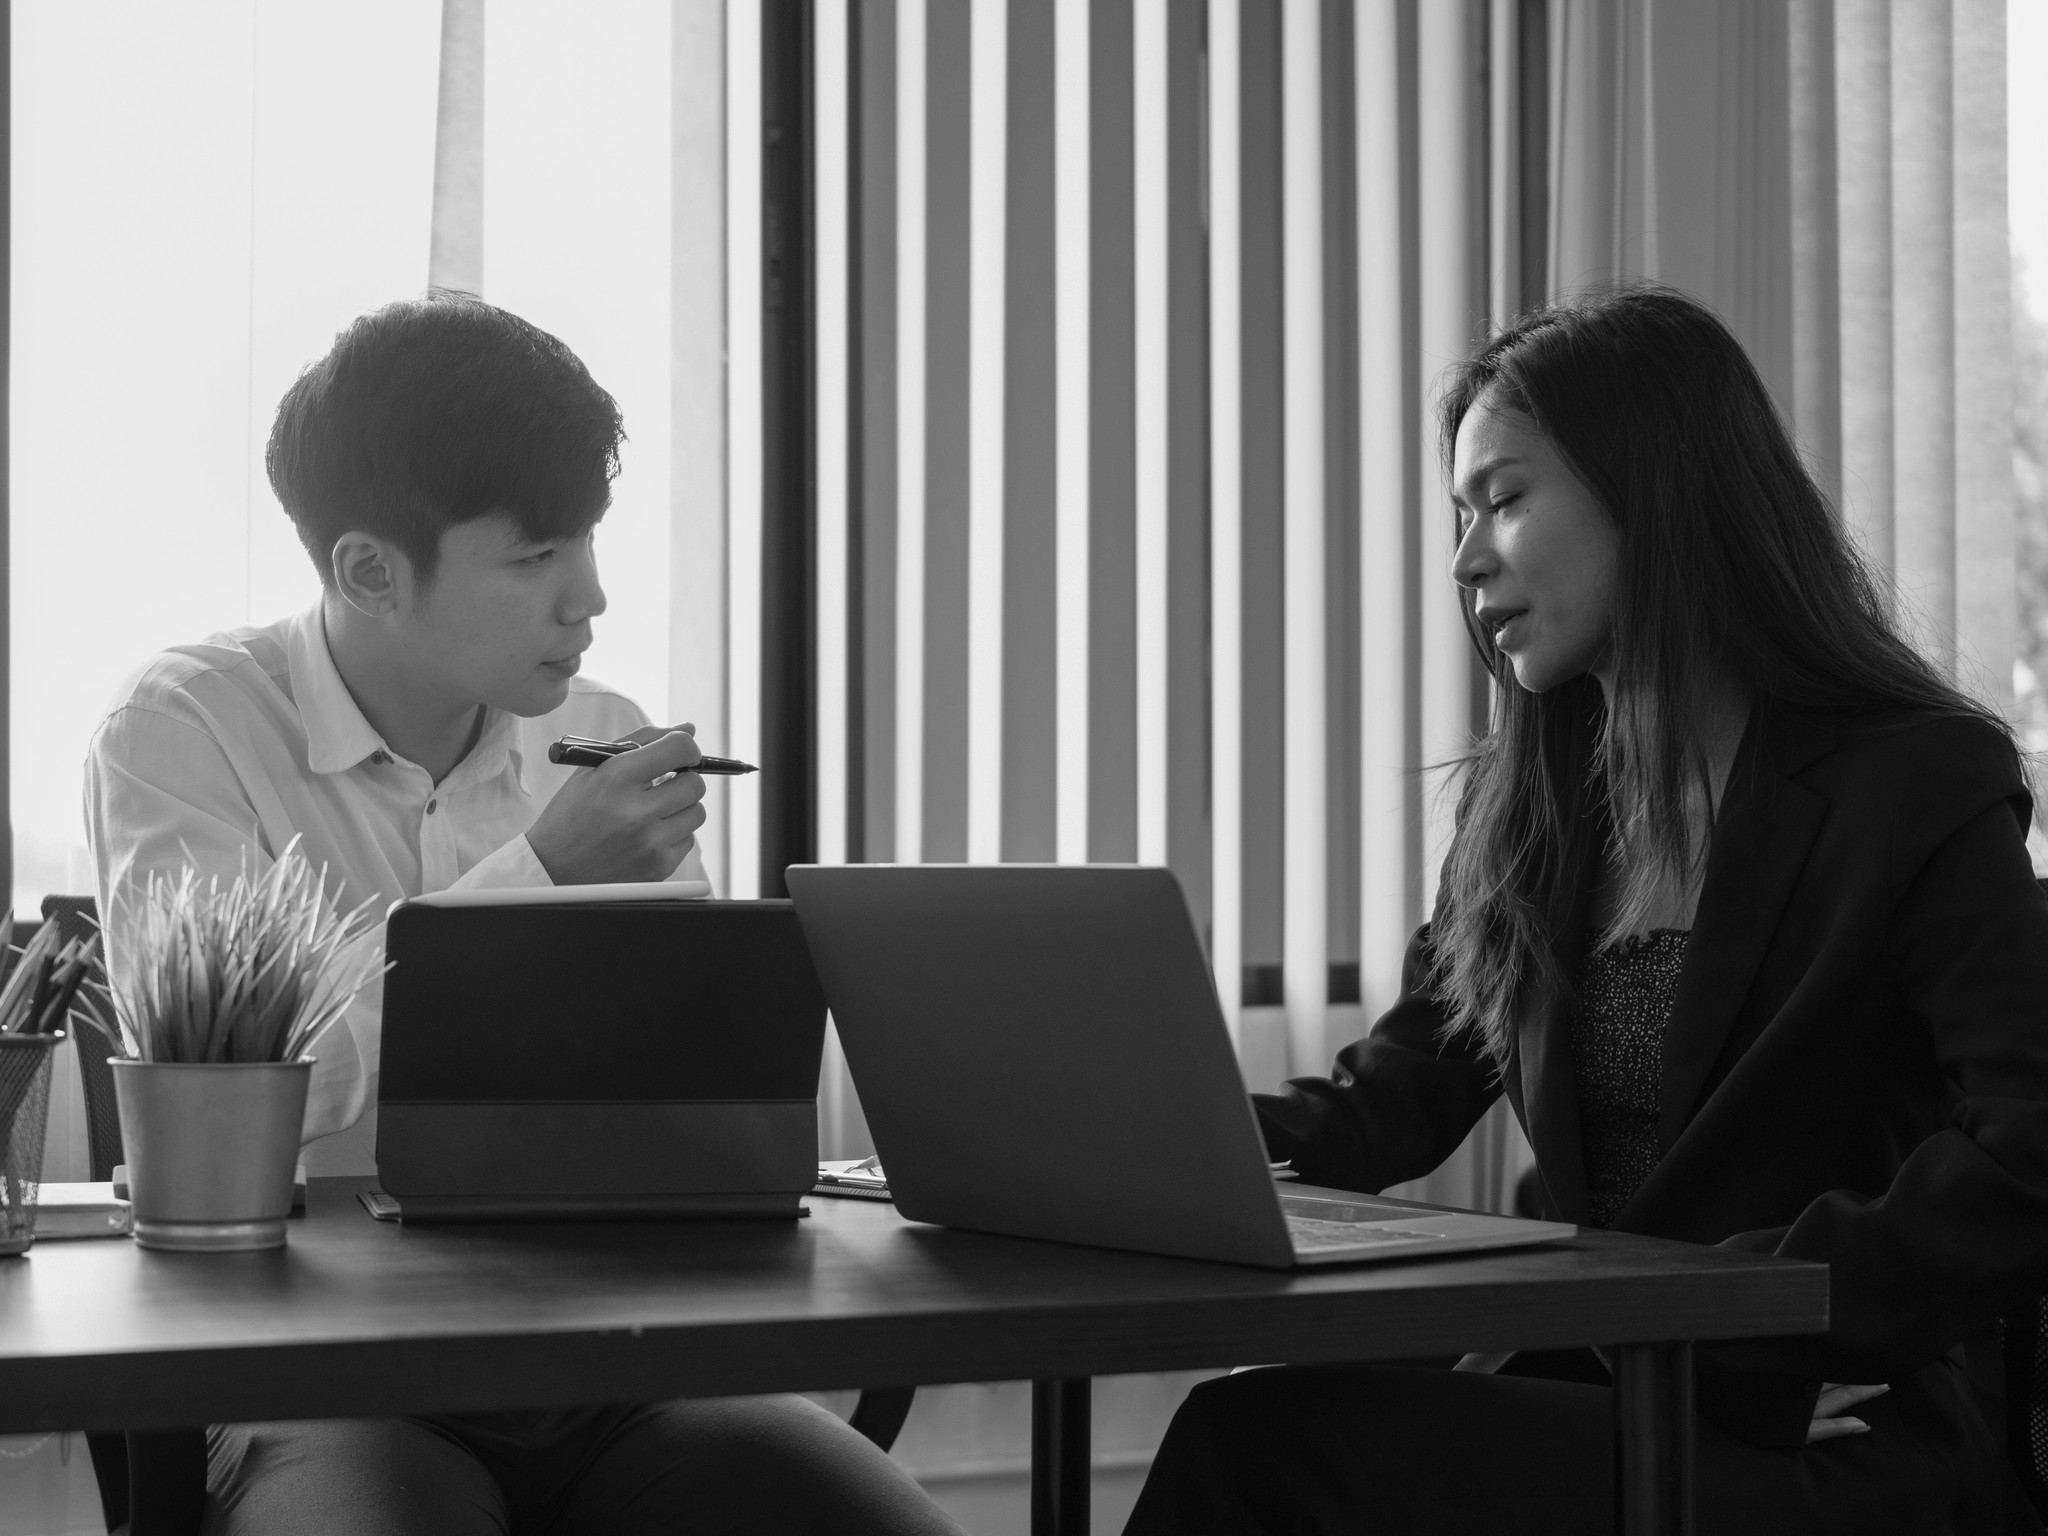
x,y
1040,1052
586,1059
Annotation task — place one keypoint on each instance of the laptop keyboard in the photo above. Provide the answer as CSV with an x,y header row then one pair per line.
x,y
1314,1232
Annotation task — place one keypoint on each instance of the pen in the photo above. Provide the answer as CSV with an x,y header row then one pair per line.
x,y
583,752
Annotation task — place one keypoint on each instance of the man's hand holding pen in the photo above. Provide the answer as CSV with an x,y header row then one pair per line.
x,y
633,817
589,752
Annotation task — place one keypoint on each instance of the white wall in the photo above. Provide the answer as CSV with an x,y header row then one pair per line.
x,y
203,195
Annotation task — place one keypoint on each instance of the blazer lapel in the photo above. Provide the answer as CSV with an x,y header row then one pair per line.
x,y
1543,1063
1767,824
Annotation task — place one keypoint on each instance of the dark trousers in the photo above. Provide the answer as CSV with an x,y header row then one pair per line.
x,y
713,1465
1355,1449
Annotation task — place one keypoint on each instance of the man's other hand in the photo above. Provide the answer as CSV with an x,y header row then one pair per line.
x,y
631,819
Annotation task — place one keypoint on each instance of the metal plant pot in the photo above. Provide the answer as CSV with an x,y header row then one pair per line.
x,y
211,1148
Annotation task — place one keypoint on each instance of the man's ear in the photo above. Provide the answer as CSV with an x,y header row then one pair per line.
x,y
371,574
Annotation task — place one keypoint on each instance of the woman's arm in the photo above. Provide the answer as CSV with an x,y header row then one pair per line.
x,y
1397,1103
1961,1235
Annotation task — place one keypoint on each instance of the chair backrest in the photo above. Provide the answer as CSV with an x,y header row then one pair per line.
x,y
76,917
2026,1398
2026,1390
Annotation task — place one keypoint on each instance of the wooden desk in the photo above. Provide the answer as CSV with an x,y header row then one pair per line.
x,y
358,1317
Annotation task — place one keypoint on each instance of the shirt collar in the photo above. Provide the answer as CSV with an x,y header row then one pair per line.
x,y
497,747
338,736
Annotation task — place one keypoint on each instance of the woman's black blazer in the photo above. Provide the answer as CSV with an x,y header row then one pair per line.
x,y
1855,1070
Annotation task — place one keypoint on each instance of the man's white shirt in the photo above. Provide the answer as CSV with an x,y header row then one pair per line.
x,y
223,751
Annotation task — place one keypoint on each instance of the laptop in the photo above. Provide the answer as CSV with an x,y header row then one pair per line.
x,y
550,1056
1039,1052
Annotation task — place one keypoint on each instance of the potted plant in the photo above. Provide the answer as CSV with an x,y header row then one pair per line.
x,y
225,993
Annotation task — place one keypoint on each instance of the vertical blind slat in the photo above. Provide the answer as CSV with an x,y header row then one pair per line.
x,y
1071,156
1305,962
1385,451
741,877
1503,157
1816,254
911,35
1444,178
1984,495
455,253
1923,322
987,264
1863,116
1151,278
1226,512
831,133
697,628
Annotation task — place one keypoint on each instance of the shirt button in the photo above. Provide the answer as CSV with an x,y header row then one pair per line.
x,y
380,756
430,806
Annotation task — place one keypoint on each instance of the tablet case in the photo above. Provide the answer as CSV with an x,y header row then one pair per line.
x,y
619,1059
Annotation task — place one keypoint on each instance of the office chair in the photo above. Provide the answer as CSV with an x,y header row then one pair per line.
x,y
2026,1390
2026,1399
153,1482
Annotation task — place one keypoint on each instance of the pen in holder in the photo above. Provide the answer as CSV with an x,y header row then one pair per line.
x,y
24,1111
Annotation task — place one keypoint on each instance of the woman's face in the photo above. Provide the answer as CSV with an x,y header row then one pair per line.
x,y
1535,549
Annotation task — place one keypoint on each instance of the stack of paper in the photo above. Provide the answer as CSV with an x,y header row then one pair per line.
x,y
80,1210
862,1178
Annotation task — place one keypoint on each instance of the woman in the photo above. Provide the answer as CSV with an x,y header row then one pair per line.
x,y
1739,915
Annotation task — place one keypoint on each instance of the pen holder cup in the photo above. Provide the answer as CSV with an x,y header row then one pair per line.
x,y
211,1147
24,1112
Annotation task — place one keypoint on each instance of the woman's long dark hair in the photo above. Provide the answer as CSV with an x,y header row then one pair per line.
x,y
1732,565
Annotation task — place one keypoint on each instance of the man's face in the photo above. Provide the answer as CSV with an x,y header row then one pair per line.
x,y
504,621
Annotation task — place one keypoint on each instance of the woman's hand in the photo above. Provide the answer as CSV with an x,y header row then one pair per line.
x,y
1831,1418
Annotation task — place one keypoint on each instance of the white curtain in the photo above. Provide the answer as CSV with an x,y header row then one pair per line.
x,y
1920,254
1832,178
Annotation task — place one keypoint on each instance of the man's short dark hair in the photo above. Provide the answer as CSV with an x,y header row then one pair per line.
x,y
436,411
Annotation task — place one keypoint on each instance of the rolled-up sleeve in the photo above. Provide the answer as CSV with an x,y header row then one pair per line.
x,y
517,867
1396,1104
161,795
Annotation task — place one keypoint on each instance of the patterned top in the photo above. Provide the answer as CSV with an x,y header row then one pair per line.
x,y
1625,997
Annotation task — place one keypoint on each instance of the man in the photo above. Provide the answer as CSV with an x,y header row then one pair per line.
x,y
446,465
